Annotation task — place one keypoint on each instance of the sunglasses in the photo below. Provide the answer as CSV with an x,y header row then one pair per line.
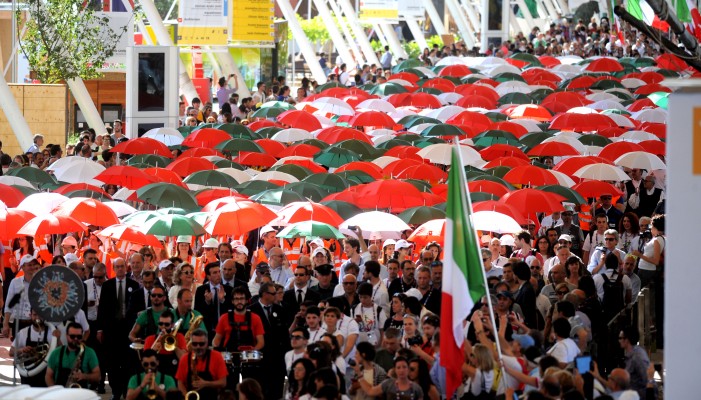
x,y
296,337
198,344
349,283
271,293
149,364
164,324
187,272
75,337
157,295
562,293
610,239
300,274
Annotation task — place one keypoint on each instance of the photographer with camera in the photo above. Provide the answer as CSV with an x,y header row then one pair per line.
x,y
356,250
598,257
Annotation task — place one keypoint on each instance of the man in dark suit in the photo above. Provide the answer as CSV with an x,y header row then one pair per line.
x,y
113,326
292,299
526,296
139,299
275,324
212,299
229,276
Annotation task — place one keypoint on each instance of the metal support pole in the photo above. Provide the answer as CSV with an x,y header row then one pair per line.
x,y
335,34
303,41
14,116
472,17
418,33
186,86
228,66
15,39
436,20
461,22
359,55
380,34
526,14
393,40
87,106
360,35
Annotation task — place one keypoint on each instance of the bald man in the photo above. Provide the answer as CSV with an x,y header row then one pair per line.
x,y
136,264
279,270
375,254
228,273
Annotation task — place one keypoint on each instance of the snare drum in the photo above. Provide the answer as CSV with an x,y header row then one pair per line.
x,y
228,357
251,356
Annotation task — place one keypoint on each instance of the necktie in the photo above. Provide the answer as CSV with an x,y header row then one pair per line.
x,y
120,300
216,299
267,312
299,296
148,298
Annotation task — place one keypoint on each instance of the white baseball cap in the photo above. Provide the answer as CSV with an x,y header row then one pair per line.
x,y
507,240
165,264
319,250
389,242
241,249
211,243
402,244
267,229
184,239
565,237
70,258
317,242
414,292
27,258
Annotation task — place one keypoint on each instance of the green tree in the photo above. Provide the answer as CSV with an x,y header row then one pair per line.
x,y
66,40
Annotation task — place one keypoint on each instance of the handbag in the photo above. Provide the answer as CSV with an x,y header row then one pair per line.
x,y
485,394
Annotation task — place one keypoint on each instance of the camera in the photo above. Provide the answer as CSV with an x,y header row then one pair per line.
x,y
646,235
600,248
415,341
353,227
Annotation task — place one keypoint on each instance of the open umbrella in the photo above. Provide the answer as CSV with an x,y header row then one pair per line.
x,y
129,234
310,228
49,224
602,172
394,195
640,160
371,118
31,174
88,211
530,175
79,172
167,195
185,166
10,195
211,178
570,194
429,231
334,157
143,145
299,119
421,214
172,225
382,223
11,220
41,203
492,221
167,136
238,218
277,197
595,189
532,201
206,137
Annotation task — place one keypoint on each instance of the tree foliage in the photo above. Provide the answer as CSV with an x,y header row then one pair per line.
x,y
66,40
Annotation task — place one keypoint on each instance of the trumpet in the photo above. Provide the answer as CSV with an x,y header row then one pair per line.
x,y
151,393
168,340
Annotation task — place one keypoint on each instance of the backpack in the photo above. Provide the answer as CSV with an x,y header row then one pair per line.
x,y
613,296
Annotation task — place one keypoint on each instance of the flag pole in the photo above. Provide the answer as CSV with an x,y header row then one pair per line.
x,y
463,181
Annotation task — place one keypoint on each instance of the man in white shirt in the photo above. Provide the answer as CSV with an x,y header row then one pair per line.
x,y
369,317
598,257
380,296
386,60
278,268
565,350
314,329
17,305
489,268
595,238
298,341
29,339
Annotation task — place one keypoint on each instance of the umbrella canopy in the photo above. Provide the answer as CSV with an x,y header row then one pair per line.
x,y
421,214
149,159
172,225
328,182
570,194
185,166
167,195
126,176
492,221
128,234
143,145
334,157
299,119
595,188
640,160
88,211
277,197
602,172
167,136
394,195
530,175
384,224
31,174
41,203
307,211
11,220
310,228
49,224
532,201
10,196
205,137
211,178
237,218
429,231
371,118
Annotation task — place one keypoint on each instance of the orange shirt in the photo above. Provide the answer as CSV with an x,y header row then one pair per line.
x,y
217,366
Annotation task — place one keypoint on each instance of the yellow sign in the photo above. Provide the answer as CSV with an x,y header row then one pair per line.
x,y
379,9
253,21
202,35
696,157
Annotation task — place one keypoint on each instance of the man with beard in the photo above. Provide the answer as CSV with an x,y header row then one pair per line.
x,y
168,360
184,310
28,340
406,281
63,360
229,271
430,298
201,369
147,322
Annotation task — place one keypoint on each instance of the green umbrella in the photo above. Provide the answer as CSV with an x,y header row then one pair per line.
x,y
52,186
367,86
268,112
295,170
173,225
31,174
171,211
413,120
527,57
149,159
342,208
199,217
239,131
515,98
355,177
607,84
496,116
594,140
278,104
393,143
91,194
539,94
428,142
228,164
472,78
429,90
499,171
364,149
494,136
475,174
627,60
211,178
330,182
167,195
417,72
533,139
314,142
238,145
334,157
386,89
487,177
571,195
615,111
277,197
482,196
329,85
268,131
139,218
423,186
308,190
644,62
442,130
508,77
310,228
253,187
660,99
410,63
186,130
668,73
421,214
621,94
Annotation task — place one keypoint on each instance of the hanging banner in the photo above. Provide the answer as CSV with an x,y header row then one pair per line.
x,y
203,22
379,9
413,9
253,23
117,22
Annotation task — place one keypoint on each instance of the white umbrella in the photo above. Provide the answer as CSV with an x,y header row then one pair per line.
x,y
382,132
449,98
237,174
563,179
582,110
492,221
292,135
15,180
64,162
569,140
420,127
451,60
500,69
402,82
598,96
602,172
400,113
440,153
529,124
381,139
384,161
621,120
80,172
606,105
275,175
120,208
41,203
376,105
167,136
333,105
289,158
637,136
569,60
123,194
592,150
443,113
651,115
640,160
513,87
377,222
632,83
428,72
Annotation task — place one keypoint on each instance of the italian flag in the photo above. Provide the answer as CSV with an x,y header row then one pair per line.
x,y
642,11
463,276
688,12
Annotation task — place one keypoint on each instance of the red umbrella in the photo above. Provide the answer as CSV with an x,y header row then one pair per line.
x,y
439,83
206,196
337,134
142,145
488,81
538,74
605,65
88,211
206,137
201,152
11,220
272,147
349,195
407,76
530,175
581,122
476,121
553,149
166,175
431,199
261,123
393,168
50,224
299,119
236,219
129,234
511,127
404,152
302,150
656,147
503,208
430,231
423,172
549,61
186,166
612,132
10,196
670,61
658,129
651,77
571,165
475,100
126,176
480,90
581,83
72,187
652,88
456,71
558,102
394,195
640,104
594,188
308,164
419,100
502,150
614,150
301,211
520,64
512,162
531,201
255,159
530,111
492,187
365,166
371,118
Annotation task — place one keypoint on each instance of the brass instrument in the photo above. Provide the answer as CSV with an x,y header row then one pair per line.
x,y
192,394
168,340
194,323
151,393
72,382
